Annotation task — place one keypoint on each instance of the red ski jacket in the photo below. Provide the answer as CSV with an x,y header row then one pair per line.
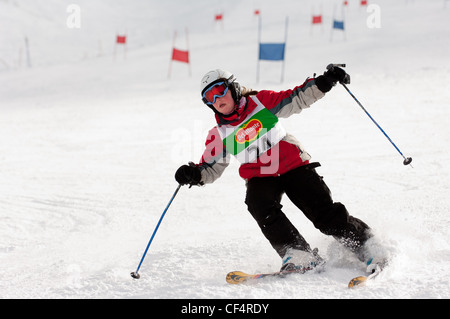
x,y
279,155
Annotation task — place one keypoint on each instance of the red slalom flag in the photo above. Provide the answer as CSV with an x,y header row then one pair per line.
x,y
181,56
316,19
257,12
364,2
219,17
121,39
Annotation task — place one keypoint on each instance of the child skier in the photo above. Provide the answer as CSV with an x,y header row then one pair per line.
x,y
273,162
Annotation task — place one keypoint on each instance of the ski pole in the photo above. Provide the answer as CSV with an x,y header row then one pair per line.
x,y
407,160
135,274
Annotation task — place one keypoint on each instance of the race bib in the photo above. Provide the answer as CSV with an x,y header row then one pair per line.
x,y
258,133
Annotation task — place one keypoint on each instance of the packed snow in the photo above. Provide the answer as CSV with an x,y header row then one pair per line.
x,y
91,134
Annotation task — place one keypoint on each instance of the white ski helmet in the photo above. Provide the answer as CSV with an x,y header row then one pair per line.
x,y
219,75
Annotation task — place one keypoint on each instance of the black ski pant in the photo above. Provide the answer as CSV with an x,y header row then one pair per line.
x,y
307,190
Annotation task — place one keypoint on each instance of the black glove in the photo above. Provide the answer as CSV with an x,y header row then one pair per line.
x,y
329,79
188,174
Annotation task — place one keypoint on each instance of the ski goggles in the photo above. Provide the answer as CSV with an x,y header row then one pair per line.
x,y
217,90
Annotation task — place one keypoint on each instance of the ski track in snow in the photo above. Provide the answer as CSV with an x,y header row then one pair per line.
x,y
89,147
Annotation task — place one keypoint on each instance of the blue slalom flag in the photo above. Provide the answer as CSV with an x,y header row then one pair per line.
x,y
338,25
272,51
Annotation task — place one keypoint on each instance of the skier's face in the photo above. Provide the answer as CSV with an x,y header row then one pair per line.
x,y
225,104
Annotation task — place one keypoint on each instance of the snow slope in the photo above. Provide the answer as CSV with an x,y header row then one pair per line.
x,y
89,146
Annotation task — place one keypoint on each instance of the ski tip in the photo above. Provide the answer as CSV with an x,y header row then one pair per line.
x,y
357,281
236,277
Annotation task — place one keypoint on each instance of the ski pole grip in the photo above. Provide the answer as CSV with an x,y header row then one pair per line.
x,y
333,65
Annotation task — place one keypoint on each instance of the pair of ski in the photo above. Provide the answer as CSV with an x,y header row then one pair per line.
x,y
238,277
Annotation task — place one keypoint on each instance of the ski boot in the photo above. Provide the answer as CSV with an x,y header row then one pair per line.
x,y
301,261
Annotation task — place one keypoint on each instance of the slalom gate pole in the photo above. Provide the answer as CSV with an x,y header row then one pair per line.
x,y
406,160
135,274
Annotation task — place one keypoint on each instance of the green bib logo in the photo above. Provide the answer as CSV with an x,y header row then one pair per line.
x,y
250,131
